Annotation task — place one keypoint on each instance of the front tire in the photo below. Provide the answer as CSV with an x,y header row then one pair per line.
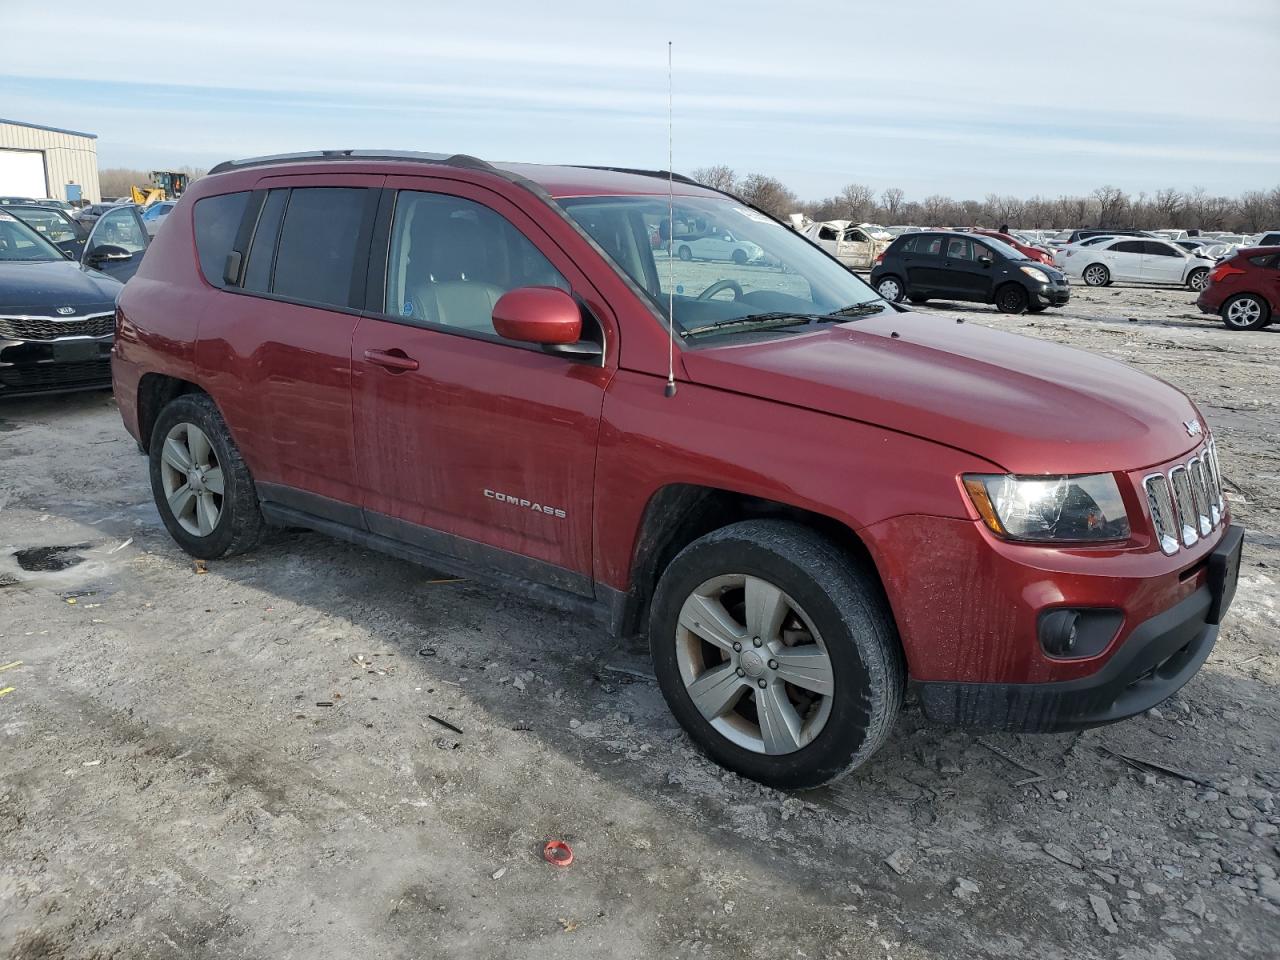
x,y
777,653
739,257
1011,298
891,289
1096,275
202,487
1199,279
1246,311
684,253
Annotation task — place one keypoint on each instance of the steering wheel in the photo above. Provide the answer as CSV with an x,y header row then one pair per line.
x,y
719,285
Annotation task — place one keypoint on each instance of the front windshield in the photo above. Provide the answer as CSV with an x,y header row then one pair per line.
x,y
723,261
47,222
20,242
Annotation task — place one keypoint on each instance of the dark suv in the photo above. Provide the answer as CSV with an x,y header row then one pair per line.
x,y
959,266
806,496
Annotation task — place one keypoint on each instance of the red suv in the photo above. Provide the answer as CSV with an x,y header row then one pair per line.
x,y
810,499
1244,290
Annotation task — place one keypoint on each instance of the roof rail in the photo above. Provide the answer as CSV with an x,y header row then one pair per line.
x,y
446,159
662,174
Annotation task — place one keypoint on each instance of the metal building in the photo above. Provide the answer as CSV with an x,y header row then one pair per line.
x,y
37,161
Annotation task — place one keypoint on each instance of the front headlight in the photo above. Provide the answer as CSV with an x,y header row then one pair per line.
x,y
1039,276
1050,508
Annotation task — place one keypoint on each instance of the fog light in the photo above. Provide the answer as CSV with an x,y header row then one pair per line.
x,y
1058,632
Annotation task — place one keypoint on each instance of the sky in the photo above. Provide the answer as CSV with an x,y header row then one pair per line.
x,y
930,96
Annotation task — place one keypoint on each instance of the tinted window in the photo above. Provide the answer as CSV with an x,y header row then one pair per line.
x,y
906,246
47,222
451,259
1128,246
19,242
959,248
316,258
262,250
1156,249
1266,260
216,221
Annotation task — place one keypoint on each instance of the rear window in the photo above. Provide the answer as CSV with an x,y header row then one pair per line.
x,y
216,221
316,257
1266,260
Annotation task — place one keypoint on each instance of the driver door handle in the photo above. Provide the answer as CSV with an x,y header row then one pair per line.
x,y
394,359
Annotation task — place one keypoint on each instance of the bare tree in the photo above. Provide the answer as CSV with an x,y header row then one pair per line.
x,y
1112,203
858,201
891,202
768,193
719,177
933,209
1168,205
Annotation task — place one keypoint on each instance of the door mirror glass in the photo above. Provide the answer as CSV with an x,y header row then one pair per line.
x,y
543,315
986,261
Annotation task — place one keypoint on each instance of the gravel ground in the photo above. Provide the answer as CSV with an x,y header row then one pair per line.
x,y
244,762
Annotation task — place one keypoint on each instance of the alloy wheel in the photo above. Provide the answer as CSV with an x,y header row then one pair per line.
x,y
192,479
1095,276
1243,312
754,665
1199,280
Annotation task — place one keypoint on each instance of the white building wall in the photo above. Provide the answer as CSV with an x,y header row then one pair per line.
x,y
68,157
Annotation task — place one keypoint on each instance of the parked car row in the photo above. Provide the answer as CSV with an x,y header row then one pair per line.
x,y
58,291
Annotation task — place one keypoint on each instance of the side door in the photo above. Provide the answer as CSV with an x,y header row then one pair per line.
x,y
829,240
922,263
1124,259
469,444
966,277
855,248
1162,262
277,355
117,243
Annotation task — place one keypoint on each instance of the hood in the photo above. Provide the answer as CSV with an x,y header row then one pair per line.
x,y
40,288
1027,405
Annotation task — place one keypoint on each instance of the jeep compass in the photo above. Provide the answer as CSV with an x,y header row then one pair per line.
x,y
811,499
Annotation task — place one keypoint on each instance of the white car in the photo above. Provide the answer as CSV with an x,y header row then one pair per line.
x,y
717,245
851,244
1134,259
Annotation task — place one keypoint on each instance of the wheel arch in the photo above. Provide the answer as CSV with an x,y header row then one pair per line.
x,y
155,392
679,513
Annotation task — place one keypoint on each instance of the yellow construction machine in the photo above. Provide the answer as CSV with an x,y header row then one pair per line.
x,y
165,185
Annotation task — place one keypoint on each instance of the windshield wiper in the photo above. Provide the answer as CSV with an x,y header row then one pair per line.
x,y
759,319
861,309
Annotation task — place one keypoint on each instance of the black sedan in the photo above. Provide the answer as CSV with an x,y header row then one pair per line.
x,y
944,265
57,317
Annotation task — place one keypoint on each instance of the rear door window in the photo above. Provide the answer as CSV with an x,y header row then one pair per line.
x,y
320,244
1128,246
1156,249
217,219
959,248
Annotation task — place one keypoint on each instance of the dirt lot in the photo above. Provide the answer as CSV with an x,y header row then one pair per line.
x,y
243,763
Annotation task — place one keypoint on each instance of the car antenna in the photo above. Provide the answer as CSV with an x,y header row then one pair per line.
x,y
671,241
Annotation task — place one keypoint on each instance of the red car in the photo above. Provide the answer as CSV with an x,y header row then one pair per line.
x,y
1028,251
1244,290
807,497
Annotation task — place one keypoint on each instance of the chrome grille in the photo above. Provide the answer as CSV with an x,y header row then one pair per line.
x,y
1200,491
1186,504
47,328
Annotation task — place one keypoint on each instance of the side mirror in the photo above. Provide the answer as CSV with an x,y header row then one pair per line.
x,y
986,262
107,253
543,315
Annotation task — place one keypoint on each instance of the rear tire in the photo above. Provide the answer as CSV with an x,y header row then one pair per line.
x,y
202,487
1096,275
1245,311
684,253
823,623
1011,298
739,257
891,289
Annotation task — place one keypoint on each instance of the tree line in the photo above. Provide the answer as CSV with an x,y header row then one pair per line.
x,y
1107,207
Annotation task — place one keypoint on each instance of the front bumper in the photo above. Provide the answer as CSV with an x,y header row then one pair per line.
x,y
31,367
1156,659
1053,295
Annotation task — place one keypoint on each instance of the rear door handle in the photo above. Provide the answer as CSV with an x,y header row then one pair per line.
x,y
394,359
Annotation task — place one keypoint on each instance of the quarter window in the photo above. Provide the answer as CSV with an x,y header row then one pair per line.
x,y
451,259
319,241
262,249
216,221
